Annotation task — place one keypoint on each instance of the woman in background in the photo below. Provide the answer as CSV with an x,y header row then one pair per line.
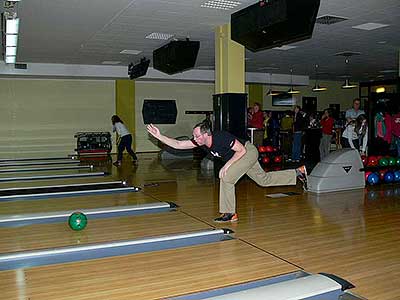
x,y
327,128
124,140
361,129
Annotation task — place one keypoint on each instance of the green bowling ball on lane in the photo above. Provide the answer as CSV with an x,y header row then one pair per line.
x,y
77,221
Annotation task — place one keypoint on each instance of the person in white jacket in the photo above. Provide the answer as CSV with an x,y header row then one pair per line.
x,y
356,134
124,140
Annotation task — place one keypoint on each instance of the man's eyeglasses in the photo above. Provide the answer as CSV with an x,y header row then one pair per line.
x,y
197,136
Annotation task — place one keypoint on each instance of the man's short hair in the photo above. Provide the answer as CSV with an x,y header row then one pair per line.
x,y
204,127
357,99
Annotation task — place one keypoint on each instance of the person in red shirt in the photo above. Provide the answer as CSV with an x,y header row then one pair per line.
x,y
257,119
327,128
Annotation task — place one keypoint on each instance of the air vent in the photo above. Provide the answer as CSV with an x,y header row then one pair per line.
x,y
21,66
330,19
347,53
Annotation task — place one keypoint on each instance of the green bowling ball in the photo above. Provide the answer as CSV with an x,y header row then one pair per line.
x,y
384,162
392,161
398,161
77,221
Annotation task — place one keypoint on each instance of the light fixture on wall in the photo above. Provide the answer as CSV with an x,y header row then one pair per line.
x,y
380,89
292,90
270,92
317,87
9,31
347,84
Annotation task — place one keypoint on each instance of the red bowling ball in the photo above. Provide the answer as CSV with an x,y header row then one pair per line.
x,y
266,160
372,161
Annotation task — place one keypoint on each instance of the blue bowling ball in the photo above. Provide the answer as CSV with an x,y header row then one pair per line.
x,y
389,177
397,176
373,178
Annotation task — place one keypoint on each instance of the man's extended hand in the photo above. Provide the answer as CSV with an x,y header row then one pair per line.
x,y
153,130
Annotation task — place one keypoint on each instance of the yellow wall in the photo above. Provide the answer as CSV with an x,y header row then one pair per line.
x,y
39,117
256,94
125,105
229,62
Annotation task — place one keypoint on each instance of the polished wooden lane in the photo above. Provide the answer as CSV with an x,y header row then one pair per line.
x,y
73,203
39,183
98,230
352,234
144,276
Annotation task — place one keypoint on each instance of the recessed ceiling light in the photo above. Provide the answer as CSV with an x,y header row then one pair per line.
x,y
133,52
220,4
110,62
159,36
284,47
370,26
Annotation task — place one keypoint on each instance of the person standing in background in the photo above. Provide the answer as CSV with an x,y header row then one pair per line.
x,y
124,140
298,129
355,111
257,118
327,128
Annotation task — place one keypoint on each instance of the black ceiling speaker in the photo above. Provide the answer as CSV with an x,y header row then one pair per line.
x,y
273,23
176,56
138,70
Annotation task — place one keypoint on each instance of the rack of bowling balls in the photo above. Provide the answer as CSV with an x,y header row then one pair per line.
x,y
381,169
270,157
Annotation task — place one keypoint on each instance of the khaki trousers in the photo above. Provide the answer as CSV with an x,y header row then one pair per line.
x,y
248,164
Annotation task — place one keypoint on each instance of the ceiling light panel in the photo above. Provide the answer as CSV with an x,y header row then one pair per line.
x,y
220,4
10,59
12,26
370,26
11,51
11,40
132,52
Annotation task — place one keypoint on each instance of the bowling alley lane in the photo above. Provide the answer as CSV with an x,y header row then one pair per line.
x,y
151,275
98,230
65,181
73,203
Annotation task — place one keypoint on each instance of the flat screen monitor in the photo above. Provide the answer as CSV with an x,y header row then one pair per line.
x,y
159,111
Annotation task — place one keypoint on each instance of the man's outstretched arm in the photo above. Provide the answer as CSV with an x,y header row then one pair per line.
x,y
154,131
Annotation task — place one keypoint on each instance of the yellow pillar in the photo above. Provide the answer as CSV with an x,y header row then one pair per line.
x,y
229,62
125,104
256,94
